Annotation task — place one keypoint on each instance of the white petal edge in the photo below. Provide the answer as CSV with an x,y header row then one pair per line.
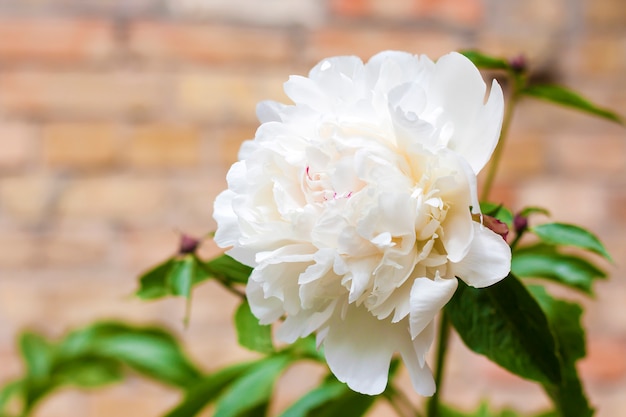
x,y
427,298
487,262
359,349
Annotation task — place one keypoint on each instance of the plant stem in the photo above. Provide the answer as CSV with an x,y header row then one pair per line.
x,y
497,153
400,403
442,348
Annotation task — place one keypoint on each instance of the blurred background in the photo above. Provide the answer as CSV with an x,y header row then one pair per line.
x,y
119,120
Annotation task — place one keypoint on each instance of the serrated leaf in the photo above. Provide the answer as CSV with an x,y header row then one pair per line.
x,y
153,284
498,211
570,235
505,323
331,399
253,389
569,270
250,333
566,97
229,269
207,389
564,317
485,61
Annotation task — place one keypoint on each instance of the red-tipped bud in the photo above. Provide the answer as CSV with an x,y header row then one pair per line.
x,y
188,244
520,223
496,226
518,63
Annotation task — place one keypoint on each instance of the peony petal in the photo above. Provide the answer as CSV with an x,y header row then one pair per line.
x,y
457,226
412,352
266,309
427,298
304,323
458,88
488,260
359,349
270,111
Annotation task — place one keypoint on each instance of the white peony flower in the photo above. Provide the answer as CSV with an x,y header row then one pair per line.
x,y
353,207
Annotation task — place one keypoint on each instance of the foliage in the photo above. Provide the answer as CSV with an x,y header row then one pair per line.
x,y
515,323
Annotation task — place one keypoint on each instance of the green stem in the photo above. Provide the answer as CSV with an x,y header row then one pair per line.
x,y
225,283
442,348
400,403
497,153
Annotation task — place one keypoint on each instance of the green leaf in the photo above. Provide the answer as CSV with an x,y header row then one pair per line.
x,y
505,323
227,268
153,284
482,411
498,211
181,276
331,399
37,354
570,235
307,405
150,351
566,97
485,61
89,372
305,348
253,389
250,333
564,317
527,211
207,389
10,391
572,271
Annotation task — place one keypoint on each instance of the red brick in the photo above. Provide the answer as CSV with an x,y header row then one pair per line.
x,y
523,157
267,12
80,145
81,94
67,247
605,13
16,250
53,41
458,12
367,42
164,146
225,143
208,43
227,97
17,145
568,200
26,198
350,8
592,156
116,198
605,361
598,55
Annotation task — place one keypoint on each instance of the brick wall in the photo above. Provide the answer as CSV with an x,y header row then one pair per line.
x,y
118,121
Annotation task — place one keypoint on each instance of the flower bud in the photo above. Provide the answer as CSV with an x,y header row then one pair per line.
x,y
496,226
520,223
188,244
518,63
